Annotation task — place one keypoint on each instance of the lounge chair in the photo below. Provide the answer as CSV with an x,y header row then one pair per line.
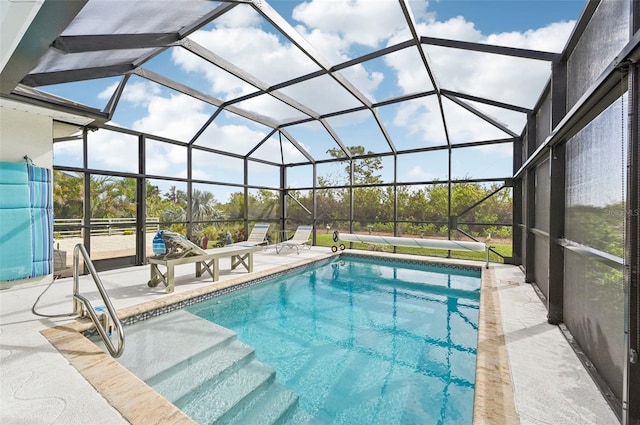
x,y
300,238
179,246
258,236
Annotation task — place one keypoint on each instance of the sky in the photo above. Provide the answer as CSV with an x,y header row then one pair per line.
x,y
337,30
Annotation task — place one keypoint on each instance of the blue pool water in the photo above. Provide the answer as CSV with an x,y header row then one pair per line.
x,y
364,342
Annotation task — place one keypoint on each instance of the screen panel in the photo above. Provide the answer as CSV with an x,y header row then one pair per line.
x,y
594,313
596,183
605,35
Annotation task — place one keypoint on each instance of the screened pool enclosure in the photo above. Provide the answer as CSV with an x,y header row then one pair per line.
x,y
211,116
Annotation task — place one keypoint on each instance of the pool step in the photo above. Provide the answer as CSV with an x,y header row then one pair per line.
x,y
224,399
207,367
269,406
206,371
242,390
161,343
298,417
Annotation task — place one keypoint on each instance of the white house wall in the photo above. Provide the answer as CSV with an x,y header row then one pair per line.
x,y
24,133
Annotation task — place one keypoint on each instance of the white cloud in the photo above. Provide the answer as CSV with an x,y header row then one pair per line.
x,y
138,93
199,174
363,22
457,28
422,121
68,153
506,79
337,29
113,151
481,74
417,173
166,160
108,92
463,126
330,46
177,117
264,55
234,138
502,150
551,38
259,53
240,16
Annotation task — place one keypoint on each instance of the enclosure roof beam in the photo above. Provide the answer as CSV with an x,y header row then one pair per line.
x,y
264,139
188,30
406,10
483,116
299,41
240,73
486,101
205,125
490,48
174,85
335,137
115,98
71,75
98,42
294,142
50,20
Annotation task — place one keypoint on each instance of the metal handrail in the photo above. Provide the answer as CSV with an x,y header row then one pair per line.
x,y
82,305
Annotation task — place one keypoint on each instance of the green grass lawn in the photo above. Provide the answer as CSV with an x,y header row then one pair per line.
x,y
323,239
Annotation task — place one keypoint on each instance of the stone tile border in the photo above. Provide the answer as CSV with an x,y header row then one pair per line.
x,y
416,261
493,396
140,404
137,402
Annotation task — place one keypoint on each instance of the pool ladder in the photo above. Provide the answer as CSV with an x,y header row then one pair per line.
x,y
107,320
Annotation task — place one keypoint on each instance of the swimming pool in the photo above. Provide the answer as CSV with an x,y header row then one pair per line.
x,y
352,341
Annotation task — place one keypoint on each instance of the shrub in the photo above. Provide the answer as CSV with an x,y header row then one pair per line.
x,y
383,227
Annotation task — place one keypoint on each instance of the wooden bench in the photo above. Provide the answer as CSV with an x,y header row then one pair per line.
x,y
208,261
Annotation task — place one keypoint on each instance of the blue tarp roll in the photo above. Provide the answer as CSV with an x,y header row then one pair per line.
x,y
41,203
15,222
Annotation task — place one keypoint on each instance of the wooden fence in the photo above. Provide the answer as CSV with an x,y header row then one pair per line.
x,y
72,227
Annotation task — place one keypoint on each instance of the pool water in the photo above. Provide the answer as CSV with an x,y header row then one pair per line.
x,y
363,342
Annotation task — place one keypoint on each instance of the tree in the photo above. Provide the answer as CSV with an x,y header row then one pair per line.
x,y
67,195
265,205
177,196
234,208
295,211
332,205
110,198
414,205
204,206
156,204
364,169
368,201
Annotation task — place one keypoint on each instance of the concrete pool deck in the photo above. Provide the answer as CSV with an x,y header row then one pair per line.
x,y
527,373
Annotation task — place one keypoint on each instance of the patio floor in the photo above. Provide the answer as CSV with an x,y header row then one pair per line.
x,y
542,378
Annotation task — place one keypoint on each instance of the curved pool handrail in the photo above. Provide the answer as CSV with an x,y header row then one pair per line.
x,y
82,305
